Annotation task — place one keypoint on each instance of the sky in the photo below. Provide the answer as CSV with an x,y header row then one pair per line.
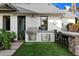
x,y
62,5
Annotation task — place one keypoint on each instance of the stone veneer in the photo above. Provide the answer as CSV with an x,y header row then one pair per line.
x,y
74,45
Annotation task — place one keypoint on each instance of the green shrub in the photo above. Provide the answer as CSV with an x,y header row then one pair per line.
x,y
9,35
2,30
13,35
0,39
22,35
6,37
5,41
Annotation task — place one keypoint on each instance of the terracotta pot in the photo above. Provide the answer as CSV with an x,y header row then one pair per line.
x,y
71,28
74,28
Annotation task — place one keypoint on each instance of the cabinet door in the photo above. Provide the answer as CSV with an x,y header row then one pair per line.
x,y
45,37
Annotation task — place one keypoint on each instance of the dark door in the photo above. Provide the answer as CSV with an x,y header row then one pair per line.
x,y
21,27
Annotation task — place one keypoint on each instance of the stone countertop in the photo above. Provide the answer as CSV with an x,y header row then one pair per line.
x,y
41,31
74,34
44,31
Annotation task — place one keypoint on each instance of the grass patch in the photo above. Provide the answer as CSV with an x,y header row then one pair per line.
x,y
42,49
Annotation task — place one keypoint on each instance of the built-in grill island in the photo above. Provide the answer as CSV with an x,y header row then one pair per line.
x,y
37,35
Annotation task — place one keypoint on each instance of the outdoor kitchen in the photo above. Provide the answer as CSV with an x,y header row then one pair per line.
x,y
42,32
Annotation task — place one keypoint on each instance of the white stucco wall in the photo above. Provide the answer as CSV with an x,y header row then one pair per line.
x,y
61,23
57,26
13,24
32,21
26,35
1,22
65,21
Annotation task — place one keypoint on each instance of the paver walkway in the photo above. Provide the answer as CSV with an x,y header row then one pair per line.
x,y
14,47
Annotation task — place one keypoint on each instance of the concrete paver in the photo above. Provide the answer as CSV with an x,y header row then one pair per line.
x,y
14,47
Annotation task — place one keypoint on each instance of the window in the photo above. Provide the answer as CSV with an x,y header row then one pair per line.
x,y
6,22
44,22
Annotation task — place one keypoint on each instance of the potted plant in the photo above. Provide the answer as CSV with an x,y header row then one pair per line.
x,y
69,27
73,27
13,36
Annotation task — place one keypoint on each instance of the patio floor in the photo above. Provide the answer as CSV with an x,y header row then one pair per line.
x,y
14,47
